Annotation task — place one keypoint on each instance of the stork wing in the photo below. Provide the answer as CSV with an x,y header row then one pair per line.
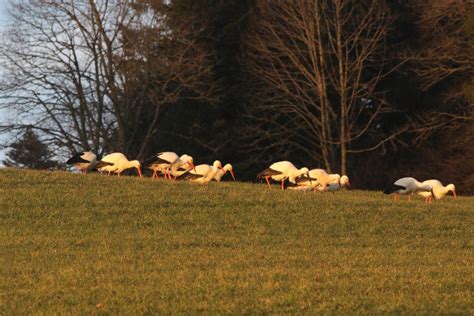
x,y
268,173
155,160
305,179
189,176
77,159
101,164
393,188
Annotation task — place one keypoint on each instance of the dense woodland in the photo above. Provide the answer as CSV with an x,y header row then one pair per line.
x,y
370,88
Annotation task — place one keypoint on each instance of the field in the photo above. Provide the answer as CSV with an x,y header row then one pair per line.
x,y
97,244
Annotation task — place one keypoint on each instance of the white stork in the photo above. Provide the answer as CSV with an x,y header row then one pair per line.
x,y
202,173
221,172
167,161
341,184
320,180
280,171
407,186
438,192
184,162
83,161
317,179
117,162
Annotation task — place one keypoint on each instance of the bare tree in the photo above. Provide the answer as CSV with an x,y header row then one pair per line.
x,y
316,68
59,69
96,74
165,61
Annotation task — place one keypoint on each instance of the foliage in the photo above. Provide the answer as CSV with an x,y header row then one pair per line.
x,y
79,244
30,152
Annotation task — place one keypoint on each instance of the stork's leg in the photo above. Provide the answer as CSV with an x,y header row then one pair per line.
x,y
409,197
395,196
268,182
283,184
155,173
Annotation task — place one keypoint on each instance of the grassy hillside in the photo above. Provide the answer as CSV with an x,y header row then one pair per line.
x,y
72,243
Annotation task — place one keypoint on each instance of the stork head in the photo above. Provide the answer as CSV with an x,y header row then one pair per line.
x,y
186,158
451,187
228,167
136,164
344,181
217,164
304,171
188,161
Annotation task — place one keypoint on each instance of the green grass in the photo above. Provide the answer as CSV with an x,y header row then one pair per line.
x,y
96,244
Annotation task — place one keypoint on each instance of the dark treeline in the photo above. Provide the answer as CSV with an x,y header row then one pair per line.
x,y
369,88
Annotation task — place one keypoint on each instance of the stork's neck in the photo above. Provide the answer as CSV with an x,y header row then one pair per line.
x,y
444,190
419,184
133,164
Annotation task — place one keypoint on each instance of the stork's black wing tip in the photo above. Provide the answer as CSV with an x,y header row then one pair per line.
x,y
393,188
77,159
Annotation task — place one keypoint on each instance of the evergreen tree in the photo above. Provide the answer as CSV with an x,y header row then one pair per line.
x,y
30,152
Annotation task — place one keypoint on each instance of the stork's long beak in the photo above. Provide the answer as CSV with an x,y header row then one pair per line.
x,y
349,185
140,172
454,194
232,174
192,166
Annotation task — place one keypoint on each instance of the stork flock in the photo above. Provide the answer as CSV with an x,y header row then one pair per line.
x,y
168,163
173,166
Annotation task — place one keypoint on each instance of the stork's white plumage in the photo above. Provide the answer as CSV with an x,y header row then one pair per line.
x,y
202,173
221,172
83,161
439,190
407,186
334,178
320,180
117,163
341,184
185,162
317,179
280,171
